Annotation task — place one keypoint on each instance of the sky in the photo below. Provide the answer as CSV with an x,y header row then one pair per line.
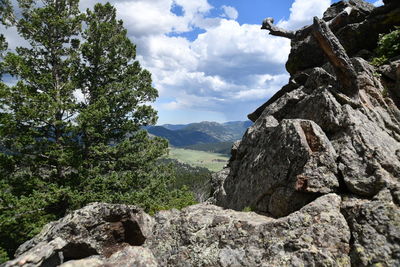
x,y
209,59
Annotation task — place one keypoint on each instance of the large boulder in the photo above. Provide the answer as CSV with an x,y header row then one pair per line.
x,y
315,140
200,235
98,229
279,168
207,235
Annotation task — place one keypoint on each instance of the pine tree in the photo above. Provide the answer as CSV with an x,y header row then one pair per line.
x,y
70,127
36,120
115,91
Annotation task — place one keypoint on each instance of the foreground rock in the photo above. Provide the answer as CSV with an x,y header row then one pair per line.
x,y
200,235
206,235
375,227
97,229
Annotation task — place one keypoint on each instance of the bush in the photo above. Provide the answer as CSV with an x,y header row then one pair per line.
x,y
388,47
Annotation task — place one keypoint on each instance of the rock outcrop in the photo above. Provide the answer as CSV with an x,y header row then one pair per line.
x,y
358,33
200,235
335,128
320,169
97,229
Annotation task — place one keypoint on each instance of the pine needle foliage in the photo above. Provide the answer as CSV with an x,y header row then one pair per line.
x,y
70,126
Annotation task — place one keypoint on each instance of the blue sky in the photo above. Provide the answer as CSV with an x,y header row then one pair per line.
x,y
208,58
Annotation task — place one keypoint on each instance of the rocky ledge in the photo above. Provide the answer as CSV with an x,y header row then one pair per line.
x,y
200,235
320,169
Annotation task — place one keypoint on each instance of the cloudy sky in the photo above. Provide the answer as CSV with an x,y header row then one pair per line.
x,y
209,59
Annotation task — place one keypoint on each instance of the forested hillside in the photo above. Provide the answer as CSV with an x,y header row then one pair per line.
x,y
221,135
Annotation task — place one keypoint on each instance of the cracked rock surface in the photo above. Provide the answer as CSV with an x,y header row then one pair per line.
x,y
200,235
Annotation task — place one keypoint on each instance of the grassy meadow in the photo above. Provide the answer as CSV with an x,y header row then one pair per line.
x,y
212,161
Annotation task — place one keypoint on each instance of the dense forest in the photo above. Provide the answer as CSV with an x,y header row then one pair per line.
x,y
59,151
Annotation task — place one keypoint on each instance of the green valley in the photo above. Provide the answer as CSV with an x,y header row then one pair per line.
x,y
212,161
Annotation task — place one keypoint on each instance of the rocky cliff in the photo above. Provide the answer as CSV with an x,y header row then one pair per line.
x,y
320,168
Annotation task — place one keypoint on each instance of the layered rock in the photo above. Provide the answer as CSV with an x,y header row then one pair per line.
x,y
315,140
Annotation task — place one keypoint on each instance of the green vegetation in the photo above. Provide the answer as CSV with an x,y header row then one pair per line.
x,y
219,148
388,47
247,209
197,179
212,161
60,152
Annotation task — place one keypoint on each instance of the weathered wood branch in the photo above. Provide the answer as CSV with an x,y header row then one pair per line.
x,y
273,30
337,56
339,21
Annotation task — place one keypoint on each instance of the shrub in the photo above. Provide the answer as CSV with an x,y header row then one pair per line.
x,y
388,47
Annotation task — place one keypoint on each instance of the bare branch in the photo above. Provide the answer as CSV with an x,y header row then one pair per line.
x,y
337,56
273,30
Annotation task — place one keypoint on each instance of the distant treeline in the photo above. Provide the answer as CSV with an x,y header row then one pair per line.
x,y
221,148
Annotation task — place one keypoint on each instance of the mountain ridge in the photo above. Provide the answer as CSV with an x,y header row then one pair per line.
x,y
206,132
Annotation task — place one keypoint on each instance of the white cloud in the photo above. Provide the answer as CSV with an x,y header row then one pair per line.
x,y
229,65
230,12
169,53
226,65
378,3
233,51
303,11
143,17
226,72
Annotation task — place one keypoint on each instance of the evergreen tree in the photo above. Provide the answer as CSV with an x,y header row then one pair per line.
x,y
60,151
115,89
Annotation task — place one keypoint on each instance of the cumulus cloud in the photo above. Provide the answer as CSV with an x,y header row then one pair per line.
x,y
378,3
230,12
231,68
225,72
144,18
302,12
228,64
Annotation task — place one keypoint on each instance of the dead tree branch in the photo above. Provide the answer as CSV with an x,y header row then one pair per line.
x,y
337,56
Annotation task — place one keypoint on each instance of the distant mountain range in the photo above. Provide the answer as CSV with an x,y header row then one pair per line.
x,y
183,135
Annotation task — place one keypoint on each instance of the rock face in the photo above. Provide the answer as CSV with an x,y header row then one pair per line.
x,y
289,164
320,167
97,229
200,235
335,128
358,32
206,235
